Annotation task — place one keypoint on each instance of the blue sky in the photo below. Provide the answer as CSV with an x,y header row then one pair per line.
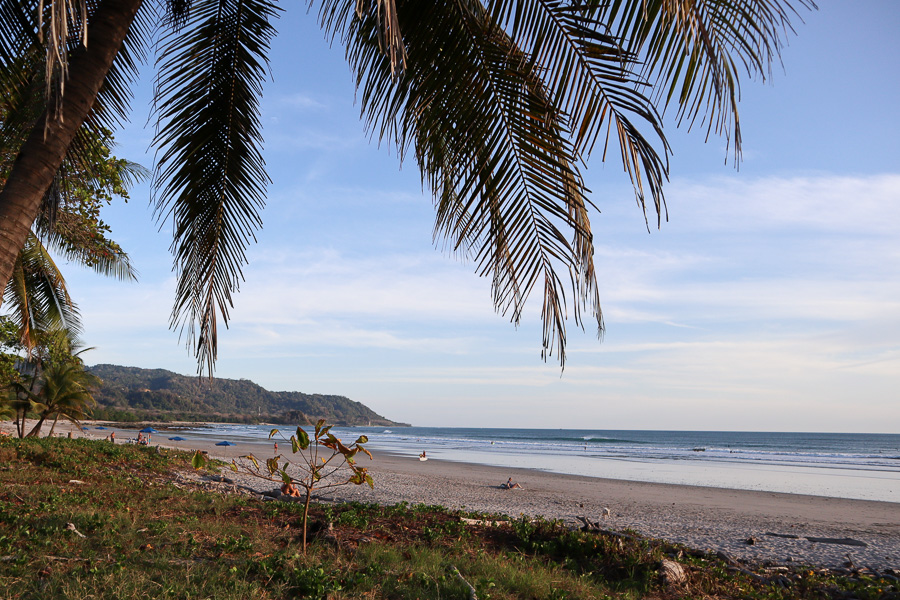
x,y
770,300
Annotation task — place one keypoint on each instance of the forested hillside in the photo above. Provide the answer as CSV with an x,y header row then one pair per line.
x,y
135,394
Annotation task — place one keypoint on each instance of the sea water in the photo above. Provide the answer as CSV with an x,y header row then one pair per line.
x,y
839,465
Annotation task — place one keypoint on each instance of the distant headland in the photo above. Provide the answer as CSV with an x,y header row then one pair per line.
x,y
135,394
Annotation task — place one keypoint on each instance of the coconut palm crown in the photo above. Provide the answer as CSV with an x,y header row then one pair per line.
x,y
500,102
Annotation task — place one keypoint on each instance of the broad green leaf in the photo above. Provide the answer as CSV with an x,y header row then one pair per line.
x,y
295,445
370,481
273,433
302,438
252,459
234,466
272,465
361,440
285,477
198,461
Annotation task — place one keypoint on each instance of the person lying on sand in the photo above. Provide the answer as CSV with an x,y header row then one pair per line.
x,y
288,489
509,485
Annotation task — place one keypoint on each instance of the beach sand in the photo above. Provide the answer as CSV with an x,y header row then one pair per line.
x,y
699,517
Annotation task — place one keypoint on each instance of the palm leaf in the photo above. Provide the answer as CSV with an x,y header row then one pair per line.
x,y
18,34
210,176
490,143
694,52
37,297
594,81
73,236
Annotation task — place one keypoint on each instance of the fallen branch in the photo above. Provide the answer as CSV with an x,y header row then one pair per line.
x,y
594,527
472,594
489,523
71,527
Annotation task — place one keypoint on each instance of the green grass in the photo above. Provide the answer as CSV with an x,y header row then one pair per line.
x,y
146,537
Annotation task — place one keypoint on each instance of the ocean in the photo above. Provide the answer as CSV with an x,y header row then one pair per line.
x,y
838,465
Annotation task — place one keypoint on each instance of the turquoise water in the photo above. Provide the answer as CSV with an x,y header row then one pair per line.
x,y
863,466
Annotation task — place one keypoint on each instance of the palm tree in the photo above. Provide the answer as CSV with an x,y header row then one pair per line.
x,y
499,101
62,389
35,296
17,403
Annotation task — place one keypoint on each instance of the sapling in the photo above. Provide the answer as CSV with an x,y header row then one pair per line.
x,y
316,468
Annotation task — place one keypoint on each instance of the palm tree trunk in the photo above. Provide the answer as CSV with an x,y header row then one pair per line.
x,y
52,427
42,153
20,422
36,431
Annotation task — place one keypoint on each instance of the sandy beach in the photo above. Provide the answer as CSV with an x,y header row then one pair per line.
x,y
822,531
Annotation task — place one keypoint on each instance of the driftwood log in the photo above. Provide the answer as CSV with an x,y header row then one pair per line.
x,y
472,594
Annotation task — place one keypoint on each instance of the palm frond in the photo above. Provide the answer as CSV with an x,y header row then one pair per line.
x,y
18,32
210,178
74,237
694,52
112,107
177,13
390,38
37,296
491,144
18,27
595,82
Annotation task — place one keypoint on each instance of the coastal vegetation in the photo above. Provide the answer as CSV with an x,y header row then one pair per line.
x,y
88,519
321,462
50,381
41,372
135,394
36,297
500,103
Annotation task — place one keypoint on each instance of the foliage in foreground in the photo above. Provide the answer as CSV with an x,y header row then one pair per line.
x,y
150,533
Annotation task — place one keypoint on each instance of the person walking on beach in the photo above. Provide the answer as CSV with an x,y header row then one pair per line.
x,y
112,437
276,447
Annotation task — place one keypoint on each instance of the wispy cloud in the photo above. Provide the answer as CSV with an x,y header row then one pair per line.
x,y
740,305
845,205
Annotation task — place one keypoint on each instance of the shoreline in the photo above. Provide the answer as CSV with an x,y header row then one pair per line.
x,y
703,518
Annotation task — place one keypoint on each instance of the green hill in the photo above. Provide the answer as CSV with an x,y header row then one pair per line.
x,y
135,394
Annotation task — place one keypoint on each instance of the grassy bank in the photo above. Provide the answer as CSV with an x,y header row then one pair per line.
x,y
86,519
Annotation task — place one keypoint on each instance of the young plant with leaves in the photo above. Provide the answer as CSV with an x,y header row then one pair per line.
x,y
320,462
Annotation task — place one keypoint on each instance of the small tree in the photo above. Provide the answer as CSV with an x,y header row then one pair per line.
x,y
322,461
53,382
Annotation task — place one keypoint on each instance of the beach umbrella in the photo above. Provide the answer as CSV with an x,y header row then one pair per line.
x,y
101,427
226,443
177,438
148,430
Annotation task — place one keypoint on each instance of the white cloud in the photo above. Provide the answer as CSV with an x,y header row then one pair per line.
x,y
846,205
710,325
297,100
